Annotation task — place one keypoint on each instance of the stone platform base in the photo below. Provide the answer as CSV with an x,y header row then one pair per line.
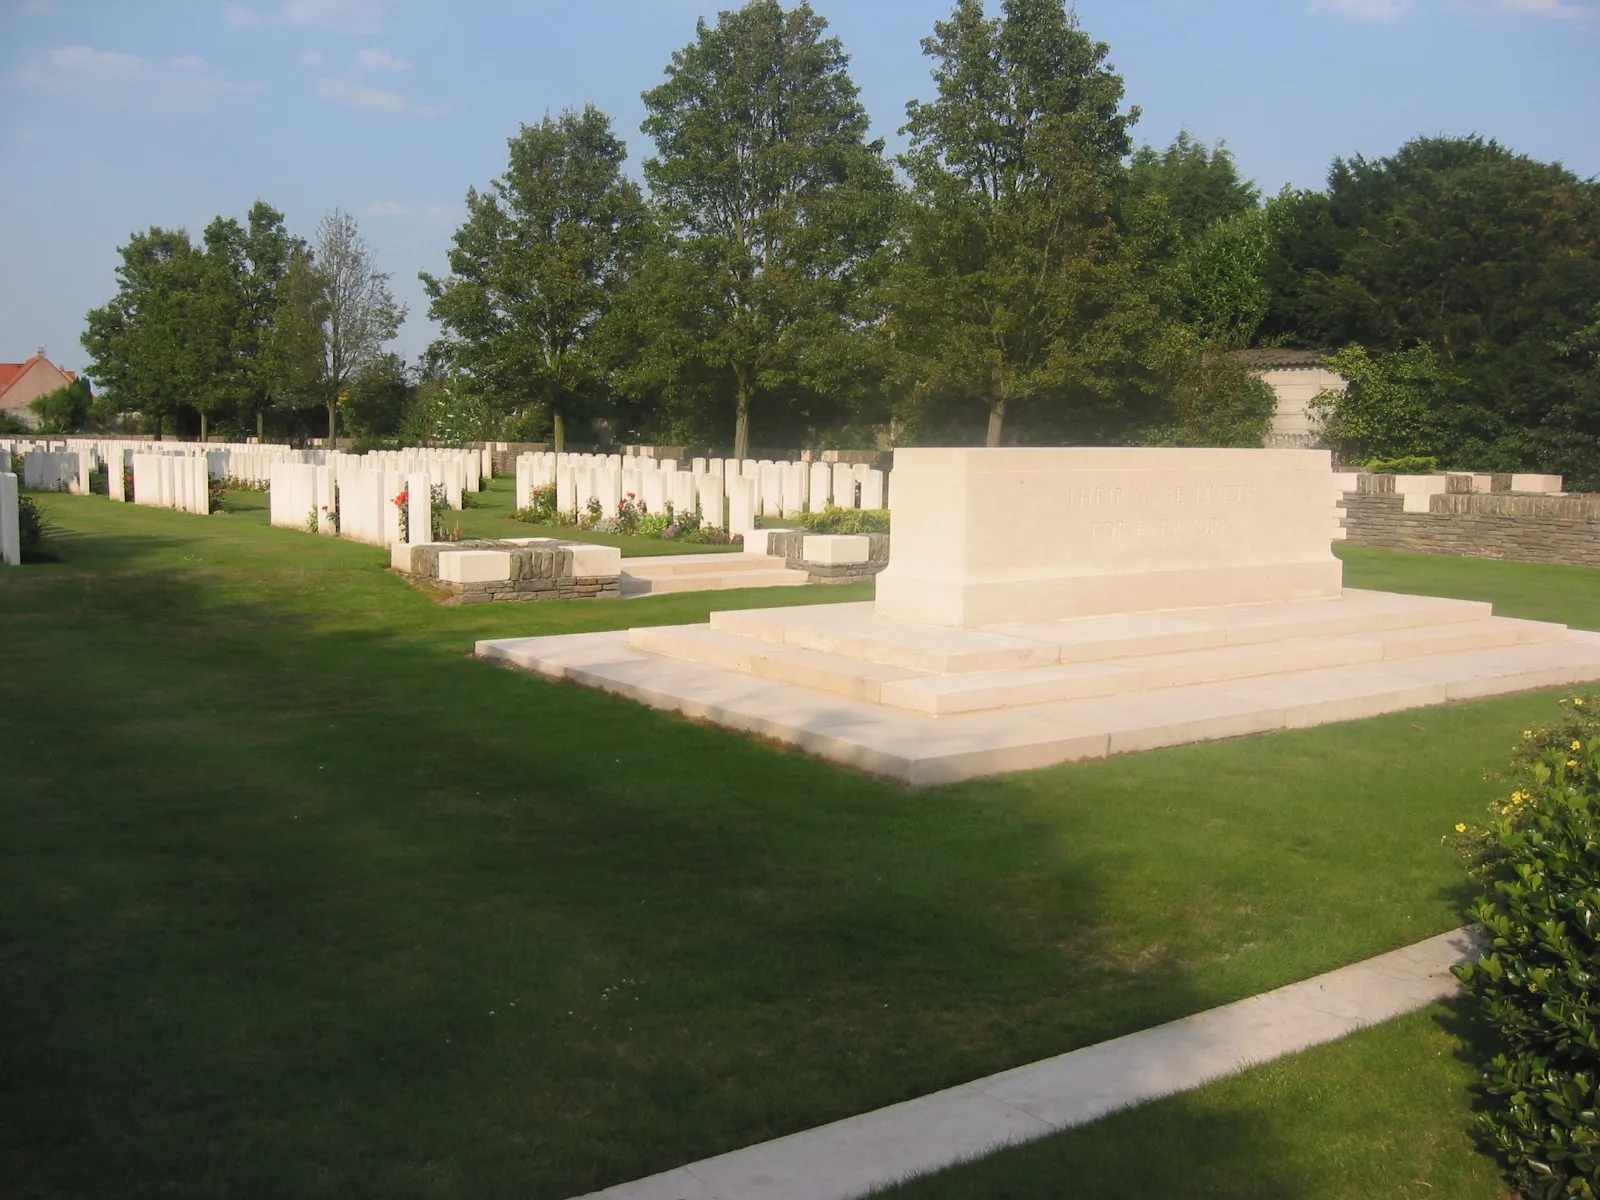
x,y
925,704
658,575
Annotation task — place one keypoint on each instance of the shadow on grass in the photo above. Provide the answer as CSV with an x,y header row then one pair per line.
x,y
362,917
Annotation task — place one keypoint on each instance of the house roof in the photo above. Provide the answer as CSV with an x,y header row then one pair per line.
x,y
11,372
1279,356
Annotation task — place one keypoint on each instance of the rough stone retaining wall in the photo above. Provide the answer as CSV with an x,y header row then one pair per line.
x,y
789,543
1522,528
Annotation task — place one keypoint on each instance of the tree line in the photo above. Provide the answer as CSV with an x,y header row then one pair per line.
x,y
1020,274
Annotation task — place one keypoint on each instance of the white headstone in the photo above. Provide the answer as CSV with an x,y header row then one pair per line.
x,y
708,491
872,488
419,508
821,486
844,486
742,508
10,526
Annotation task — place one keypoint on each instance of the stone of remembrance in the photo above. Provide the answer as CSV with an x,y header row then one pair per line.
x,y
1048,605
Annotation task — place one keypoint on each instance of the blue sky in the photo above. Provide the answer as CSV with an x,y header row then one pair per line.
x,y
119,114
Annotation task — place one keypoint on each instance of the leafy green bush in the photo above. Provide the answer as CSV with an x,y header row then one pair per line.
x,y
846,520
1539,985
32,525
1416,464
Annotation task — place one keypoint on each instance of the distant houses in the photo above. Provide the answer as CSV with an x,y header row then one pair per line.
x,y
23,382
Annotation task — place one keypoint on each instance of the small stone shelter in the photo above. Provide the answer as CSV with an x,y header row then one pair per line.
x,y
1296,377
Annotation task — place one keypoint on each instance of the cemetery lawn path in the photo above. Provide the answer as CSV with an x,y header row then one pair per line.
x,y
297,898
1384,1112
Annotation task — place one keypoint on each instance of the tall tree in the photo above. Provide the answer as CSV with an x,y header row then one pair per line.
x,y
150,344
268,250
537,266
294,359
218,309
361,311
778,205
1013,284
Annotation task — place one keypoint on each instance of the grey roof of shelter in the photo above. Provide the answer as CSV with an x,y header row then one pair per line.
x,y
1279,356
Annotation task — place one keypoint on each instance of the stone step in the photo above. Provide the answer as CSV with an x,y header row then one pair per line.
x,y
854,631
700,581
664,566
945,694
951,694
765,660
920,750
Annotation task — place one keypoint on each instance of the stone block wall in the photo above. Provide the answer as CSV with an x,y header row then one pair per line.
x,y
1504,525
788,544
537,572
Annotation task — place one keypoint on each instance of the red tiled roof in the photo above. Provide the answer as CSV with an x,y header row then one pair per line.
x,y
11,372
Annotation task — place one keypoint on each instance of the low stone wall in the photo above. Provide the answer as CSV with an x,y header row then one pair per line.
x,y
789,544
521,569
1521,528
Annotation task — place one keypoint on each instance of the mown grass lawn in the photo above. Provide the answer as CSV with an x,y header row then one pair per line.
x,y
297,898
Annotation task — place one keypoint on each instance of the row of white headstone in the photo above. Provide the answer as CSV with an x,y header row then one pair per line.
x,y
65,464
174,481
350,502
777,488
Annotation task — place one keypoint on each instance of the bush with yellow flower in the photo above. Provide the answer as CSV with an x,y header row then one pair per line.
x,y
1538,985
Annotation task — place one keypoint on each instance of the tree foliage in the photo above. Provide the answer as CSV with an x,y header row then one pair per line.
x,y
1489,258
1013,287
361,313
1394,404
151,344
1193,185
776,207
65,409
537,266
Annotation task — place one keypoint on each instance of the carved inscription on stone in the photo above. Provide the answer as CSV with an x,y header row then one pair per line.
x,y
1220,499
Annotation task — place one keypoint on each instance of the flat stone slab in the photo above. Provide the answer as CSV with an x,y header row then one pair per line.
x,y
928,705
862,1154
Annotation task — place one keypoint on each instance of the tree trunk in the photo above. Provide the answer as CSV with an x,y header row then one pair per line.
x,y
561,432
333,422
261,426
997,420
741,423
204,426
158,426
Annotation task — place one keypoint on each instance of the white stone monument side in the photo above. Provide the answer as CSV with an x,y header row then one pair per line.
x,y
990,536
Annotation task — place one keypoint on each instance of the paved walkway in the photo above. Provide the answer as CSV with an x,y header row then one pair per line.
x,y
852,1157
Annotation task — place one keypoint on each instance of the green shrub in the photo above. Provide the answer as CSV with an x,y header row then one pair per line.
x,y
1415,464
33,526
846,520
1539,984
541,509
